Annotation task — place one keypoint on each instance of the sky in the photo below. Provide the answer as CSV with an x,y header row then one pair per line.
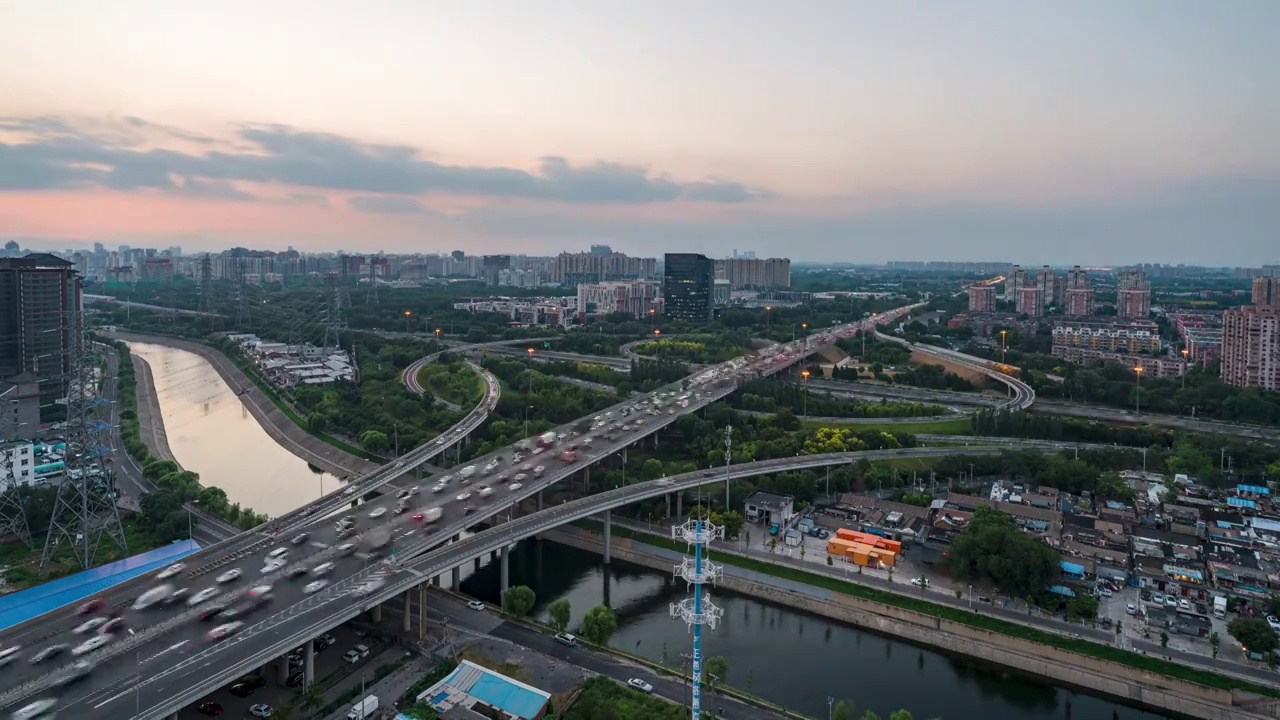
x,y
1093,132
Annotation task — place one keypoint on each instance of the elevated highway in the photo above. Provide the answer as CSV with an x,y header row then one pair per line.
x,y
167,635
1021,396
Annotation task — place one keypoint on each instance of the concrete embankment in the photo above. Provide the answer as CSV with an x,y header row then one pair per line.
x,y
1128,684
150,419
272,419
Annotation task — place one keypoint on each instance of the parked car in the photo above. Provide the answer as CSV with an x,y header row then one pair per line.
x,y
212,709
566,639
1131,609
1171,602
773,529
262,710
640,685
475,605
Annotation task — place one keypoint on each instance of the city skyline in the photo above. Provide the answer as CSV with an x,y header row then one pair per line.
x,y
1095,134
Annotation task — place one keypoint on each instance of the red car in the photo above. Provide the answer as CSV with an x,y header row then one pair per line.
x,y
212,709
93,606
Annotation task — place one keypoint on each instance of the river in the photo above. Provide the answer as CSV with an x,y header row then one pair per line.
x,y
212,433
789,657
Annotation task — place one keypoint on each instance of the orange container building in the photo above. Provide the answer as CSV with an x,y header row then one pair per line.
x,y
875,541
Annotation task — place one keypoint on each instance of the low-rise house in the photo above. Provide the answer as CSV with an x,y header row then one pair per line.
x,y
766,507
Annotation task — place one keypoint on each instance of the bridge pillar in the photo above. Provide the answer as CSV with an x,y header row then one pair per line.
x,y
282,676
505,574
375,613
436,580
309,665
456,580
539,501
422,611
477,561
679,505
668,496
408,618
608,534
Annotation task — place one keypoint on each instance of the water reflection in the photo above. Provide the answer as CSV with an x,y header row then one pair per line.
x,y
792,658
212,432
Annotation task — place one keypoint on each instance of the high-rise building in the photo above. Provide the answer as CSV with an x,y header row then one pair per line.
x,y
1266,291
601,250
1014,282
39,296
634,297
1133,294
1077,292
1030,300
749,272
1047,282
576,268
492,267
982,298
1251,347
687,283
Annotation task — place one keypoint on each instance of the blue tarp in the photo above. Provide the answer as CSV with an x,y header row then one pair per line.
x,y
1072,569
1241,502
1253,489
1061,590
25,604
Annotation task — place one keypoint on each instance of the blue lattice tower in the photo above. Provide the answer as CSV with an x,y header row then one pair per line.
x,y
697,610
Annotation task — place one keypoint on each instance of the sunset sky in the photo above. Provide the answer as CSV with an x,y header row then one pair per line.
x,y
1092,132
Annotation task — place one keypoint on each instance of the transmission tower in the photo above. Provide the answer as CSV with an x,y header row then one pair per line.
x,y
206,289
335,320
170,298
13,513
697,610
372,297
242,297
84,511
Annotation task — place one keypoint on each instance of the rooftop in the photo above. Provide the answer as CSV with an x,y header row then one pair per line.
x,y
471,685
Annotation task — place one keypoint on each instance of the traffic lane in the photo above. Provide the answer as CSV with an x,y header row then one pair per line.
x,y
609,665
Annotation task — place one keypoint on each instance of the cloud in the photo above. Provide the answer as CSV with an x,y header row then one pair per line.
x,y
55,153
213,189
389,205
307,199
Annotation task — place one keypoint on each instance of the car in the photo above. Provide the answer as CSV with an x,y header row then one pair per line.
x,y
300,538
920,582
1170,601
257,682
1104,591
72,674
93,606
1146,595
153,596
324,641
438,488
539,470
485,491
476,605
229,576
272,566
1202,608
170,571
520,477
111,626
463,496
224,631
1131,609
349,491
178,596
504,477
1157,598
1184,605
315,587
403,494
90,645
346,548
527,467
90,625
212,611
515,486
36,710
203,596
566,639
773,529
296,572
243,689
351,656
50,652
212,709
640,685
322,569
377,512
370,586
1273,622
295,679
9,654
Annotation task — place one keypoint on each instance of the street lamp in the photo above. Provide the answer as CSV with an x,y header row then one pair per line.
x,y
1137,390
768,317
189,535
528,366
437,336
805,374
407,315
805,328
651,311
1002,345
1184,368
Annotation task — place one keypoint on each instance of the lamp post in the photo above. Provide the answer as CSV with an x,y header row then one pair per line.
x,y
407,316
768,318
805,374
1137,390
1184,368
651,318
189,523
1002,345
805,328
437,336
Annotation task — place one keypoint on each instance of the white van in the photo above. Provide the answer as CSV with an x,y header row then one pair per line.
x,y
566,639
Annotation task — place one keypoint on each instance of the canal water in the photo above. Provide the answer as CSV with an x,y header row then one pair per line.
x,y
792,658
212,433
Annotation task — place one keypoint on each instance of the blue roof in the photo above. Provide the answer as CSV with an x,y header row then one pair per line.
x,y
1241,502
500,693
1062,590
23,605
1072,568
1255,489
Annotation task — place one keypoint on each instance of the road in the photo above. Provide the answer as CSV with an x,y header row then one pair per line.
x,y
1021,396
179,666
1176,422
539,355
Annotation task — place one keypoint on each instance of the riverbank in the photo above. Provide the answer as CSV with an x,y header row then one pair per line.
x,y
1139,686
282,429
150,419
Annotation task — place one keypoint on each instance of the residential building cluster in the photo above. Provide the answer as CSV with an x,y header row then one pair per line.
x,y
290,365
542,311
1251,339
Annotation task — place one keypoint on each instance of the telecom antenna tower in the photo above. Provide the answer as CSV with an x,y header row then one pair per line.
x,y
697,610
372,297
84,511
13,514
335,320
242,297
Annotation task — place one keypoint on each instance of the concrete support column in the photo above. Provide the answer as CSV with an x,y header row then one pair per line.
x,y
456,580
408,617
477,561
655,441
309,664
375,613
505,574
436,581
668,496
283,673
539,501
173,716
679,504
422,611
608,535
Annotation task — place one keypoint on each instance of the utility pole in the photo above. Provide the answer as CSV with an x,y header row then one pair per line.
x,y
728,460
371,298
242,296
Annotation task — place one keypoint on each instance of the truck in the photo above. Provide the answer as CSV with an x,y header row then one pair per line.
x,y
1220,607
546,439
366,708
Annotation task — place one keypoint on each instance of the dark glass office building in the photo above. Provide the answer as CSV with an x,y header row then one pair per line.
x,y
687,282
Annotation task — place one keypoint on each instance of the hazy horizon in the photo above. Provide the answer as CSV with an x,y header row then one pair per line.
x,y
1094,133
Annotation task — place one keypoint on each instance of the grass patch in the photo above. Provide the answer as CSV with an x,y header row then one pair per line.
x,y
511,670
984,622
23,563
456,383
959,426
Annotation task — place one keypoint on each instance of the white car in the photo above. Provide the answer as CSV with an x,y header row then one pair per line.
x,y
346,548
229,576
539,470
224,631
920,582
349,491
475,605
261,710
322,569
463,496
377,512
437,488
272,566
520,477
36,710
203,596
90,625
88,646
1273,622
315,587
515,486
371,586
640,685
1131,609
9,654
170,571
486,491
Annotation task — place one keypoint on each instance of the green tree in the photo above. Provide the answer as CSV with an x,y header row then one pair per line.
x,y
732,522
1254,634
719,667
599,624
1215,642
519,600
1164,639
374,440
993,546
559,612
842,710
1084,607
